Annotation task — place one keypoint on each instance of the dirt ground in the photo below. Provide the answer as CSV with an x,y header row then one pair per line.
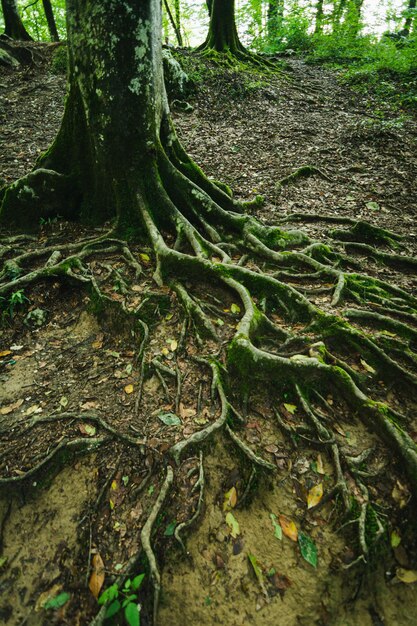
x,y
70,376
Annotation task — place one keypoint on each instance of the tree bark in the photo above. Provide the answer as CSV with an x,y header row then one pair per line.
x,y
49,14
409,20
318,28
222,35
175,25
275,18
13,25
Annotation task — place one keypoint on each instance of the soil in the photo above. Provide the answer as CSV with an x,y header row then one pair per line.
x,y
64,362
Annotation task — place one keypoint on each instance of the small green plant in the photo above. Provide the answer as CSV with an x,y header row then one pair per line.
x,y
124,599
9,305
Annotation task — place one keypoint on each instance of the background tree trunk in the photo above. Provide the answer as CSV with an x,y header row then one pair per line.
x,y
409,19
13,25
275,18
49,14
318,29
222,35
175,23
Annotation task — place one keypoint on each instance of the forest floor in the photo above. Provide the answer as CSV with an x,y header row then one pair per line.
x,y
79,526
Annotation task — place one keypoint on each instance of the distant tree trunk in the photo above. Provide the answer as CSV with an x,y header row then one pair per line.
x,y
13,25
275,18
222,35
355,17
318,29
209,6
409,19
49,14
175,24
339,8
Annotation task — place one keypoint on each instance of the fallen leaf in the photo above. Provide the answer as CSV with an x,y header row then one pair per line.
x,y
145,257
5,410
235,309
233,524
173,345
33,409
395,539
97,575
314,495
291,408
407,576
57,602
170,419
288,527
277,527
186,412
230,499
90,405
165,351
87,429
5,353
368,367
373,206
64,401
308,549
129,389
257,570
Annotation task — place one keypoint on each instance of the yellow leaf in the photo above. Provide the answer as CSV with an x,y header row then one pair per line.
x,y
233,524
235,309
320,468
288,527
368,367
291,408
230,499
111,504
395,539
129,389
407,576
5,352
97,576
145,257
114,485
173,345
165,351
314,495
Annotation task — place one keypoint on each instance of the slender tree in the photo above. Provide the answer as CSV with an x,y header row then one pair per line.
x,y
175,23
409,19
49,14
13,25
275,18
318,27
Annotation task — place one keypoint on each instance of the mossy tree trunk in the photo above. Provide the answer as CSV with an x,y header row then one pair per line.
x,y
222,35
13,25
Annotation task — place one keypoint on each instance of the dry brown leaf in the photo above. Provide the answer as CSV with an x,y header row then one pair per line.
x,y
90,405
288,527
97,576
5,410
314,495
184,413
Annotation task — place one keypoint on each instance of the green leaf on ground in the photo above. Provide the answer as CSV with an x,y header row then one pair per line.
x,y
132,614
308,549
170,419
58,601
170,529
233,524
277,527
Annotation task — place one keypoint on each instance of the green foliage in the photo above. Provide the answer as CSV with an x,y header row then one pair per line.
x,y
57,602
9,305
125,599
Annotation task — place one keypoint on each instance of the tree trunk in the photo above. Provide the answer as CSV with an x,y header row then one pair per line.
x,y
209,6
13,25
116,132
318,29
409,19
175,25
275,18
49,14
222,35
